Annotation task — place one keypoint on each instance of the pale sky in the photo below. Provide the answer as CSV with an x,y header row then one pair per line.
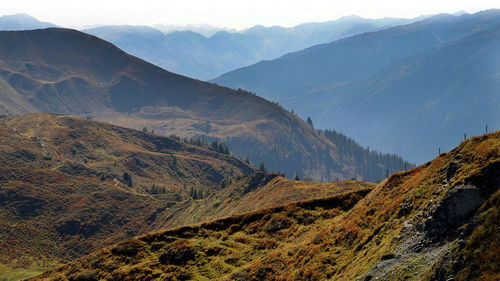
x,y
228,13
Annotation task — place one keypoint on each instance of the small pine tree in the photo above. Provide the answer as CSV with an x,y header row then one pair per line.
x,y
262,167
297,177
310,121
127,179
193,193
145,129
174,162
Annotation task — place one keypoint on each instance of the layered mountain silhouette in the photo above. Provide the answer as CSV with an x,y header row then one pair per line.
x,y
70,72
192,54
395,88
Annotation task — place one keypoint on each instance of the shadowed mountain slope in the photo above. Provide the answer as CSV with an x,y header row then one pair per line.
x,y
422,103
353,58
69,72
380,87
435,222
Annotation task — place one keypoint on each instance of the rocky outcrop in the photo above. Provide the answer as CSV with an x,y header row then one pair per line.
x,y
453,210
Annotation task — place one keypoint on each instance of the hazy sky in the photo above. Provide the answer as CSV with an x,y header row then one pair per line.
x,y
228,13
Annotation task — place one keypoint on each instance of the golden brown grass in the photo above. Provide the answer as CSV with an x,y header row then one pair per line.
x,y
336,238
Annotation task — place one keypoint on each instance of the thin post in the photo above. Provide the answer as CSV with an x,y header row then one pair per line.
x,y
465,136
486,128
386,173
439,151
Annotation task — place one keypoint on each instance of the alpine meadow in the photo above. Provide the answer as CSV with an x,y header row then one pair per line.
x,y
272,140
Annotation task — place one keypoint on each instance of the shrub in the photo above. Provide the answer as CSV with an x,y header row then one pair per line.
x,y
127,179
127,248
85,276
178,254
277,223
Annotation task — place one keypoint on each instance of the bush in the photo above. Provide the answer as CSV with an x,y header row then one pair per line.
x,y
86,276
178,254
277,223
127,248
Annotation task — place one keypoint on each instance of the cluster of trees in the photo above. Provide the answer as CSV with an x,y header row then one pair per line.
x,y
245,91
196,193
220,147
373,165
226,182
157,190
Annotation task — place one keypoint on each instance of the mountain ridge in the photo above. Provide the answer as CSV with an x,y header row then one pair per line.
x,y
330,81
87,76
207,57
22,22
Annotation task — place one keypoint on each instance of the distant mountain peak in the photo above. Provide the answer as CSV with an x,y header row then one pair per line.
x,y
22,21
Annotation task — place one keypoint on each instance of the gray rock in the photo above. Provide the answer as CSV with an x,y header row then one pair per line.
x,y
454,209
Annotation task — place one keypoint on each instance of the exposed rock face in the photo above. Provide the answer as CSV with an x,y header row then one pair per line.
x,y
441,230
454,209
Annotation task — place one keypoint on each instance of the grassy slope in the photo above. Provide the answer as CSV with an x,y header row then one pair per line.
x,y
62,194
397,231
243,196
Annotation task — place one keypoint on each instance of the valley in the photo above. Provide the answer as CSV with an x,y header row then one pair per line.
x,y
327,146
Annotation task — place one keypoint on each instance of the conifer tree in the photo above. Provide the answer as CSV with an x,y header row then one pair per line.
x,y
262,167
310,121
127,179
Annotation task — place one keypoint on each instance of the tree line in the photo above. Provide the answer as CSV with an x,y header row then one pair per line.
x,y
373,165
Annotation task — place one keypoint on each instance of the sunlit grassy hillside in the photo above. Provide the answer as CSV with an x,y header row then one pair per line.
x,y
435,222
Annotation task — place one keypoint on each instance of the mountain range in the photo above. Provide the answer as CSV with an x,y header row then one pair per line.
x,y
113,168
192,54
69,72
410,89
